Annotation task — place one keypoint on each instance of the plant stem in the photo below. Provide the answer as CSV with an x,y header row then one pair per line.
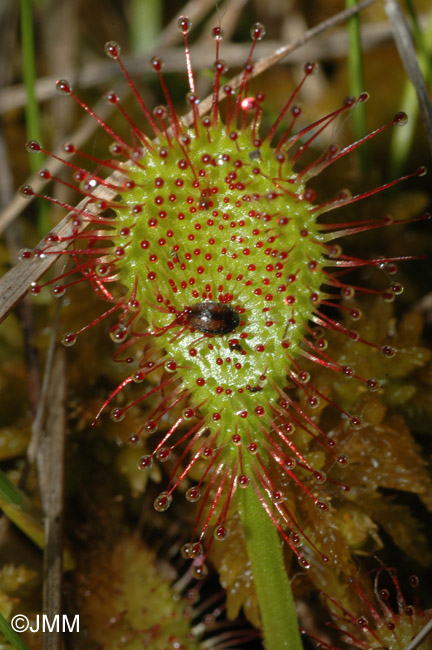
x,y
272,584
356,82
33,129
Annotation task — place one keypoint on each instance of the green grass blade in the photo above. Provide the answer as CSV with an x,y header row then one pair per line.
x,y
10,635
145,24
9,492
33,129
356,83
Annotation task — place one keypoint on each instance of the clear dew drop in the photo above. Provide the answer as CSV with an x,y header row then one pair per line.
x,y
25,254
193,494
134,305
102,270
26,191
313,402
112,49
150,427
138,376
145,462
156,63
33,146
220,533
388,351
303,562
243,481
295,539
217,33
163,454
384,594
118,333
63,87
115,149
373,385
322,505
188,414
88,184
184,24
248,104
161,112
397,288
277,496
58,291
170,365
192,99
207,453
116,415
400,119
348,293
414,581
191,550
355,423
185,550
335,251
69,339
321,343
162,502
221,66
319,477
199,571
289,464
253,448
356,314
257,31
362,622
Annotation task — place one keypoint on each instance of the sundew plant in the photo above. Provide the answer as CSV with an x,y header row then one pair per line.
x,y
248,372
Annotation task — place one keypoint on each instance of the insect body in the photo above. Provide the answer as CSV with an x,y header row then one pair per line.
x,y
213,317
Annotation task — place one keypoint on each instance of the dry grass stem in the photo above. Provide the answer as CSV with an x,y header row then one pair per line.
x,y
51,473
